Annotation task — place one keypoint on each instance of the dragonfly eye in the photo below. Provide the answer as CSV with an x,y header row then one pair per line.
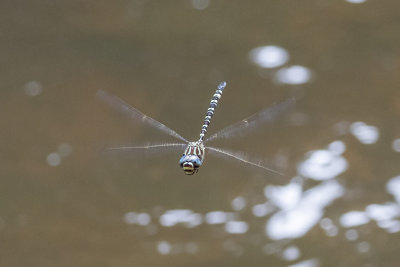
x,y
197,162
183,159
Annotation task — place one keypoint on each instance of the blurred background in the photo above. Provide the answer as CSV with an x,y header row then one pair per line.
x,y
63,202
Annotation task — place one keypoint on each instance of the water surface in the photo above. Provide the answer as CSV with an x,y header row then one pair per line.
x,y
65,203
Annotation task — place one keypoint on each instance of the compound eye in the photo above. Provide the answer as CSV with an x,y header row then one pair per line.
x,y
183,160
195,160
198,162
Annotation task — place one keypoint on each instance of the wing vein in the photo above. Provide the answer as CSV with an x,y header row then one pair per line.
x,y
150,146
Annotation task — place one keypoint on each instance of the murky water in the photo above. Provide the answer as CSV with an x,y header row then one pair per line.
x,y
66,203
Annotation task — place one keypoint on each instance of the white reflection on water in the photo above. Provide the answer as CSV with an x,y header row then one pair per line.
x,y
328,226
393,187
143,219
351,234
238,203
285,197
324,164
396,145
130,217
385,216
186,217
366,134
33,88
337,147
137,218
269,56
383,212
356,1
354,218
306,263
164,247
261,210
293,75
291,253
53,159
296,222
391,226
293,211
236,227
200,4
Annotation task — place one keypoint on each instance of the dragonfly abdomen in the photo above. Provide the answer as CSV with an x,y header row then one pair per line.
x,y
210,112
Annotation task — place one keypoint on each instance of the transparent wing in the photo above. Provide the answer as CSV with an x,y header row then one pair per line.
x,y
243,157
149,146
148,149
250,123
119,105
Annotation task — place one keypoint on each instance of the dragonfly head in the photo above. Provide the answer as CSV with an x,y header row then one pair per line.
x,y
190,164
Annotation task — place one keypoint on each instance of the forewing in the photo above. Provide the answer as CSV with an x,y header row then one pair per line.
x,y
249,124
119,105
147,149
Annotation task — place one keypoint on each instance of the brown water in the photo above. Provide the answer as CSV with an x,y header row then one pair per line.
x,y
65,203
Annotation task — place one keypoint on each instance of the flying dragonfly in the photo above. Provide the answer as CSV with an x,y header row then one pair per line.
x,y
194,152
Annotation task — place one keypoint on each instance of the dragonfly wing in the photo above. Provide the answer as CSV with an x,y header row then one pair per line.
x,y
148,149
243,157
250,123
119,105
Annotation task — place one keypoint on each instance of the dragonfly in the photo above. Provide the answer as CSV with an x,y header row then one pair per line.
x,y
194,151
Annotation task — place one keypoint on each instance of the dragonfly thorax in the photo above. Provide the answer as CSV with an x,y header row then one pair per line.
x,y
192,157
